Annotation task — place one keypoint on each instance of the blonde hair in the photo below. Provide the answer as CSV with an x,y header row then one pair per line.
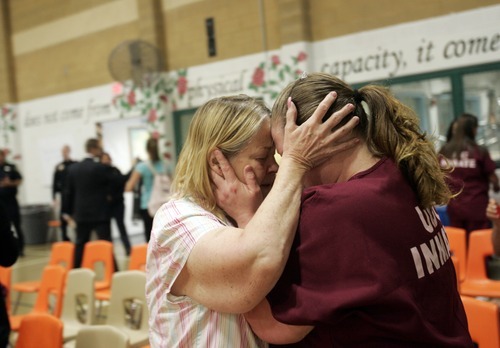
x,y
226,123
389,129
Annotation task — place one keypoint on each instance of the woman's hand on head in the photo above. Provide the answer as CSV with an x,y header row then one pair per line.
x,y
240,200
314,142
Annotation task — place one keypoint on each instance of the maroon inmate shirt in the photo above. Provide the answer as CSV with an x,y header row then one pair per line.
x,y
370,268
471,174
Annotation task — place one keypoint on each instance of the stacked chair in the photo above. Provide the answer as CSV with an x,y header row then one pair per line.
x,y
62,254
65,309
457,238
476,282
137,262
470,259
99,252
51,284
125,322
40,330
128,310
483,321
101,336
78,305
5,279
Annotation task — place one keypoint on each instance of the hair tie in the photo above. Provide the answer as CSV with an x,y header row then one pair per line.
x,y
358,98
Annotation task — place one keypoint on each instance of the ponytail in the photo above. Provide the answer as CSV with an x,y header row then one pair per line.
x,y
394,131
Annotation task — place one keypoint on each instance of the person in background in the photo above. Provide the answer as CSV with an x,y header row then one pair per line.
x,y
143,173
116,202
360,271
10,179
471,177
88,185
9,252
58,182
205,269
451,129
493,213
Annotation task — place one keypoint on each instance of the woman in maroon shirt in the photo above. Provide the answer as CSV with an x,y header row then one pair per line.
x,y
473,172
370,265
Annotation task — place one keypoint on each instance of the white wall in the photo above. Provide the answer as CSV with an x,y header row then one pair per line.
x,y
44,125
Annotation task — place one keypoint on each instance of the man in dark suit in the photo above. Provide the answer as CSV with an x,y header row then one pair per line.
x,y
86,201
58,183
10,179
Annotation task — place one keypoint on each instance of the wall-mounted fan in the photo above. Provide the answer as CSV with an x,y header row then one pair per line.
x,y
137,61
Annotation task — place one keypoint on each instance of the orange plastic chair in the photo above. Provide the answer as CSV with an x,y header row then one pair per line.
x,y
476,281
457,238
40,330
138,256
483,321
456,265
61,253
52,283
136,262
97,251
5,279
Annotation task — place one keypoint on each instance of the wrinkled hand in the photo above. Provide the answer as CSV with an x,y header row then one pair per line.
x,y
313,142
240,200
491,210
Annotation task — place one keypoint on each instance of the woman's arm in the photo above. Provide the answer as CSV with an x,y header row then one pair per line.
x,y
492,214
232,269
493,178
132,181
271,330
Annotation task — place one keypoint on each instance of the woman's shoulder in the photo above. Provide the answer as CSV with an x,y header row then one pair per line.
x,y
184,208
141,166
367,189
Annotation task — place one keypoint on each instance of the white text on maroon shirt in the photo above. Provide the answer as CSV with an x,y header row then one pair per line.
x,y
436,251
463,162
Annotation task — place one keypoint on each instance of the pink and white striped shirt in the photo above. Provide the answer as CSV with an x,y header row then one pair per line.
x,y
178,321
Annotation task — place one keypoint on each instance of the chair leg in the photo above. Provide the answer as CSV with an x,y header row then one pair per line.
x,y
16,304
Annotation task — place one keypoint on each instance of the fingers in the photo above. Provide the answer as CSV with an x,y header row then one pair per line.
x,y
217,179
291,113
337,116
492,209
225,167
323,107
343,131
251,178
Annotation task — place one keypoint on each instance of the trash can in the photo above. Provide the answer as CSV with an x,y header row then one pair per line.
x,y
493,267
34,222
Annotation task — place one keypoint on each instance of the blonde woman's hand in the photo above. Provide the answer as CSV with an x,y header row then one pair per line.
x,y
313,142
240,200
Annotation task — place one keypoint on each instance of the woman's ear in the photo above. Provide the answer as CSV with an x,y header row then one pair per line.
x,y
214,164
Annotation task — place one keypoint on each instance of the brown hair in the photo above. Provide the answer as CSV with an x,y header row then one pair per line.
x,y
462,138
152,149
388,127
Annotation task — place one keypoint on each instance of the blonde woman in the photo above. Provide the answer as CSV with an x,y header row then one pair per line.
x,y
204,269
370,265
